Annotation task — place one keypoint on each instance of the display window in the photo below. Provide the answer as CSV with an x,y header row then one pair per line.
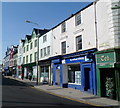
x,y
74,74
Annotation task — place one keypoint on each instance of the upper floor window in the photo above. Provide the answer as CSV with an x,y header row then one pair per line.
x,y
63,46
30,57
41,52
36,43
63,27
27,59
23,59
48,50
35,56
27,47
44,38
31,44
45,51
24,49
78,42
78,19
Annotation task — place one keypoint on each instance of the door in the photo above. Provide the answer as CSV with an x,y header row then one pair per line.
x,y
58,76
87,79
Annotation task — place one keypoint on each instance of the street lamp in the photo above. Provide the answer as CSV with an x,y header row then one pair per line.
x,y
37,48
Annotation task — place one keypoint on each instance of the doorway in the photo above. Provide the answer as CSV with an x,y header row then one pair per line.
x,y
87,78
107,78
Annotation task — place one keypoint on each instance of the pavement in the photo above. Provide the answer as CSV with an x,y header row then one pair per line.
x,y
72,94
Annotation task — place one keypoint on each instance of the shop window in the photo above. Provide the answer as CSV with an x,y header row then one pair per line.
x,y
74,74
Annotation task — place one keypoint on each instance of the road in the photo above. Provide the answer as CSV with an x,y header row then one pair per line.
x,y
16,94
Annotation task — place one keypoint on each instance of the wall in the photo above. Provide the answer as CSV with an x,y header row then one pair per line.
x,y
107,25
45,44
86,29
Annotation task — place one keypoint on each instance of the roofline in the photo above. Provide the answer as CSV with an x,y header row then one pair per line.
x,y
74,14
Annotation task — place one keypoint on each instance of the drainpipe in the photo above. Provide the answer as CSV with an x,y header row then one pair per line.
x,y
96,23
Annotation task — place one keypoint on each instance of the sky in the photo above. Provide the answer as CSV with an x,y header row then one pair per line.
x,y
45,14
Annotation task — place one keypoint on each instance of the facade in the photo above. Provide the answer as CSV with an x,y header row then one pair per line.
x,y
6,62
74,44
30,52
20,58
12,67
15,57
45,51
108,55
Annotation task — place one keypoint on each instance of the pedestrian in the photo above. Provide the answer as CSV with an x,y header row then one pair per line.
x,y
22,76
30,76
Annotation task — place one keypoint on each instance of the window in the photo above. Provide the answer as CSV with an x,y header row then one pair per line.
x,y
23,59
74,74
78,19
27,47
48,50
27,59
78,42
36,43
31,45
64,47
30,58
41,52
44,38
63,26
45,51
35,55
24,49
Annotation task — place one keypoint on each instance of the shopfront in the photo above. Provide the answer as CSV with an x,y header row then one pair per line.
x,y
76,70
108,73
29,68
45,71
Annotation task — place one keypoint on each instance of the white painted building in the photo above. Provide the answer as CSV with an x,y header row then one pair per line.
x,y
74,39
30,52
86,29
45,51
20,58
108,24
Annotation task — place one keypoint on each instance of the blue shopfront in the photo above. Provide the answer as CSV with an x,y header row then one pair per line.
x,y
76,70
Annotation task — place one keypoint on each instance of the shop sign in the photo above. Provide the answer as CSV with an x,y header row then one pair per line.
x,y
74,60
105,58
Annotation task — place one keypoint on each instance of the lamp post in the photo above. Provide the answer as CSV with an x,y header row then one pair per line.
x,y
37,60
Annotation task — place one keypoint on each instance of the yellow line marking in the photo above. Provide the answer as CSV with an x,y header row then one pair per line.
x,y
70,98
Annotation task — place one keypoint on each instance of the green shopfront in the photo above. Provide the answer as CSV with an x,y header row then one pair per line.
x,y
108,73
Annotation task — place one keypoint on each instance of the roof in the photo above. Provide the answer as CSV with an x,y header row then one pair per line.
x,y
22,40
28,37
40,31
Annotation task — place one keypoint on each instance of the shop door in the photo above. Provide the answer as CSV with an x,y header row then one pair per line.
x,y
108,86
87,78
58,77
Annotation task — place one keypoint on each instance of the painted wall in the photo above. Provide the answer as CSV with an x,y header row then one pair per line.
x,y
45,44
107,25
86,29
30,51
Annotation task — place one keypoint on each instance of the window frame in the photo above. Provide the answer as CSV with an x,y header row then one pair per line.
x,y
63,48
78,42
63,27
77,19
44,38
